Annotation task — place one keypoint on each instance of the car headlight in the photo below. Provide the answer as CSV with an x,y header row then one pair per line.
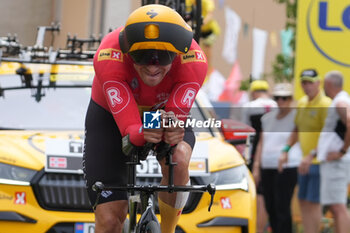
x,y
10,174
229,179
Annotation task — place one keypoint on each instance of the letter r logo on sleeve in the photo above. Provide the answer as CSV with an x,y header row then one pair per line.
x,y
117,95
188,97
114,96
185,95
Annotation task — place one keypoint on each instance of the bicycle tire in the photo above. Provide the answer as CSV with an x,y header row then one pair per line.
x,y
126,226
152,227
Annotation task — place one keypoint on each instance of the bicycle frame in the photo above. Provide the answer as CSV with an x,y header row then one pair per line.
x,y
147,191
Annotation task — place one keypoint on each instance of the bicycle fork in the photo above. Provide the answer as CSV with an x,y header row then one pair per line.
x,y
147,212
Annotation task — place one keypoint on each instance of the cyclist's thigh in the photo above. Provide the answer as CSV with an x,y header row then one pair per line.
x,y
103,158
189,137
183,150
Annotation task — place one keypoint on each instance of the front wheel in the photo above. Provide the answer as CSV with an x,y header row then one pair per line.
x,y
152,227
126,226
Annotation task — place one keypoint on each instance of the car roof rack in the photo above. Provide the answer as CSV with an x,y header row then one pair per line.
x,y
77,52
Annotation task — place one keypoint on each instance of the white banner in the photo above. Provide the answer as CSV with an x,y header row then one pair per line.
x,y
259,49
214,86
233,26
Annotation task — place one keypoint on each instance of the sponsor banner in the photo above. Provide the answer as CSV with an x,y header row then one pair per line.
x,y
322,38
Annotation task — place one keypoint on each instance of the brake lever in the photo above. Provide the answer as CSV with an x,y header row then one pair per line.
x,y
211,190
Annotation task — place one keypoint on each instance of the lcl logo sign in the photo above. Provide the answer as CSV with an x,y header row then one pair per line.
x,y
328,27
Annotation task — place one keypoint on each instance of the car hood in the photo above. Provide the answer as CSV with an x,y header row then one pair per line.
x,y
221,154
27,148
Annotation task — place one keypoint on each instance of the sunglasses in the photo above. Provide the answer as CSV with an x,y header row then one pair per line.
x,y
152,57
284,98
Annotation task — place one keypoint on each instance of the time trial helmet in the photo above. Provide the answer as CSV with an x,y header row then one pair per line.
x,y
154,34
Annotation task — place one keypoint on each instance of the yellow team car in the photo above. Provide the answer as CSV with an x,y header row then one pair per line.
x,y
41,136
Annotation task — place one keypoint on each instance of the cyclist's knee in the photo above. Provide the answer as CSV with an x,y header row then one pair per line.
x,y
182,156
110,217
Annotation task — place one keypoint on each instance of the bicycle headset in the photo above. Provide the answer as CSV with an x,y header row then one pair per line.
x,y
154,34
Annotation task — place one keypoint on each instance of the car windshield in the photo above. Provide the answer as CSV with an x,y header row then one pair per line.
x,y
58,109
55,108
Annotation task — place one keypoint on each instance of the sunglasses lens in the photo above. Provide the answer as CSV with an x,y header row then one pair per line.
x,y
284,98
152,57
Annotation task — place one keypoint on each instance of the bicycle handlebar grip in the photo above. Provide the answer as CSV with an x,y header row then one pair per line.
x,y
211,188
127,146
98,186
162,150
145,150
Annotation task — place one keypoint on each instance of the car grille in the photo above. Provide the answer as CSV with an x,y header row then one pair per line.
x,y
63,191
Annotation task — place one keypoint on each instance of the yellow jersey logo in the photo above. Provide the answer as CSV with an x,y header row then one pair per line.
x,y
193,56
110,54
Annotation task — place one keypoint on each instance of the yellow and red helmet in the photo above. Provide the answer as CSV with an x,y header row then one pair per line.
x,y
155,27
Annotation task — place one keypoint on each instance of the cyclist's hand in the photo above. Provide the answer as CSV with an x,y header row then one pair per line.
x,y
173,136
173,133
153,135
283,159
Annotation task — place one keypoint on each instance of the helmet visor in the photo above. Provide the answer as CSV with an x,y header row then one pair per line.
x,y
152,57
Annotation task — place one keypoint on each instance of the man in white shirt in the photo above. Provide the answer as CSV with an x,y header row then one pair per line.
x,y
333,152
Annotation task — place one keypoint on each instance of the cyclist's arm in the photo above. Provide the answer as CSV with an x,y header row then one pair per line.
x,y
122,105
189,74
111,88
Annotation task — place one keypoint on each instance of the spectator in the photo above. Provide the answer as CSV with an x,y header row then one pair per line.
x,y
333,153
251,113
278,187
309,121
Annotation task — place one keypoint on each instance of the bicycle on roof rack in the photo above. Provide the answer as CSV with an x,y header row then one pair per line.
x,y
192,13
141,196
77,52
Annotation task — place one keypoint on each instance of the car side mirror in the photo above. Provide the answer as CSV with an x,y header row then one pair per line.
x,y
238,134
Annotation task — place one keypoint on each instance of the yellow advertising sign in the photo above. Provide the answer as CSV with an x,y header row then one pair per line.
x,y
322,39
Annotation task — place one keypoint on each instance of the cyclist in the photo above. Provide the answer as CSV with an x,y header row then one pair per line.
x,y
151,63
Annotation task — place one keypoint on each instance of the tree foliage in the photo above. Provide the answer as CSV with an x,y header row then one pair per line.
x,y
283,66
